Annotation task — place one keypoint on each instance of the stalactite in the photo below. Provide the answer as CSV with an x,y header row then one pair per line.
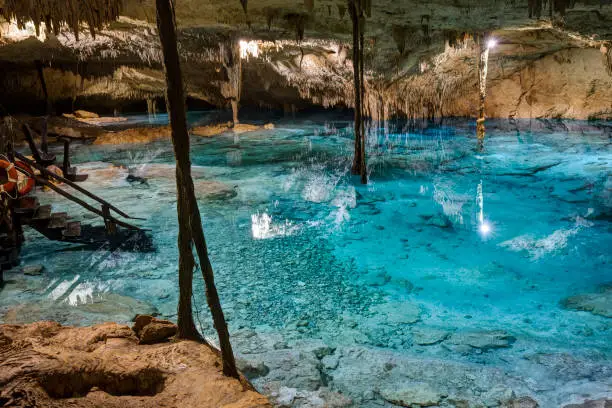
x,y
606,50
483,66
271,14
399,37
232,62
358,20
56,13
309,4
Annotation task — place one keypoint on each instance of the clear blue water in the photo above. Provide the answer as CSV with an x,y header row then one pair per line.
x,y
444,241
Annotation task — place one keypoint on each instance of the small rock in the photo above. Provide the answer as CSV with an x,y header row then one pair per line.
x,y
409,395
252,370
151,330
426,336
321,352
483,340
330,362
281,345
33,270
286,396
600,403
521,402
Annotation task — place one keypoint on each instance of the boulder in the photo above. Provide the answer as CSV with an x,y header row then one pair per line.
x,y
151,330
252,369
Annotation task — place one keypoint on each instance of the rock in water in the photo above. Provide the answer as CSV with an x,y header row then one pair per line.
x,y
522,402
483,340
33,270
83,114
410,395
426,336
252,369
600,403
598,303
135,179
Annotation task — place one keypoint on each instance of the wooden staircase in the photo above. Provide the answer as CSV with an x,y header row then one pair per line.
x,y
57,226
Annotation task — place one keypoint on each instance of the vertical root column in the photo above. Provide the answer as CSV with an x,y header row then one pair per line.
x,y
483,66
359,161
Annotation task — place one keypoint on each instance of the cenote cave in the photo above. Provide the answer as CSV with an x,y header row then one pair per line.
x,y
320,203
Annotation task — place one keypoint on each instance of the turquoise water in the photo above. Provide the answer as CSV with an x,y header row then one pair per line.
x,y
447,272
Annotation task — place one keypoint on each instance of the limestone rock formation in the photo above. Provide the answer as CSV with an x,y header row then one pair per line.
x,y
47,365
420,60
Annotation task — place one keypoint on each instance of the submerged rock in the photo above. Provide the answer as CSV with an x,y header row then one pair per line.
x,y
136,179
213,190
426,336
33,270
397,313
409,395
598,303
521,402
252,369
600,403
483,340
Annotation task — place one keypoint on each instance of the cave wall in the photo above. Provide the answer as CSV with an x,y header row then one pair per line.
x,y
418,65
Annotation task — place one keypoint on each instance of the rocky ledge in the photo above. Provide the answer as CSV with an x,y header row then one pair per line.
x,y
47,365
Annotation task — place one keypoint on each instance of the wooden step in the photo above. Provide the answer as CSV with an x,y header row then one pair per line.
x,y
43,213
26,206
73,230
58,220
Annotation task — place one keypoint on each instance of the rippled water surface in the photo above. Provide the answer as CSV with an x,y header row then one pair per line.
x,y
466,276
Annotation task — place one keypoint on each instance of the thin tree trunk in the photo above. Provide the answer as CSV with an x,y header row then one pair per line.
x,y
190,223
229,363
186,326
359,158
364,169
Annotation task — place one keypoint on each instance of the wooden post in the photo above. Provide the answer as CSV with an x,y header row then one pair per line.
x,y
66,165
190,223
111,228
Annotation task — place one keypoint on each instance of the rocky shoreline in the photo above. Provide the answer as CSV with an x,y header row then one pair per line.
x,y
44,364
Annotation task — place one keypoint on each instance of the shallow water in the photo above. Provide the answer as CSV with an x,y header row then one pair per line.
x,y
447,272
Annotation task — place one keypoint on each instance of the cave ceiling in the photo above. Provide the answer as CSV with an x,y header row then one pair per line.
x,y
303,44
